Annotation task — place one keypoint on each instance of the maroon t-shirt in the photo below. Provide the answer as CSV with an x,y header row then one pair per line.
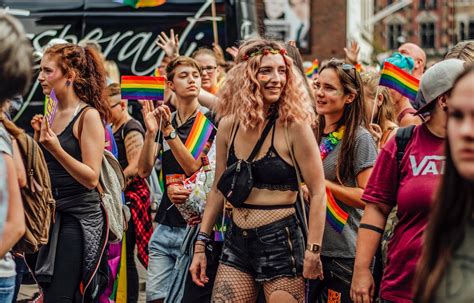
x,y
421,167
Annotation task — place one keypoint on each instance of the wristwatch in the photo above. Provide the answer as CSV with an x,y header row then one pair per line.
x,y
314,248
171,136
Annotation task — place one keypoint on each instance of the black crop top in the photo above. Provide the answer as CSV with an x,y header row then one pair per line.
x,y
271,171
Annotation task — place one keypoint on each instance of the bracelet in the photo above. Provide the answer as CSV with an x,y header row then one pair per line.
x,y
200,244
372,228
199,252
202,236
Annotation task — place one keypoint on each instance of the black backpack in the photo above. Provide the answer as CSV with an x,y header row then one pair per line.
x,y
402,138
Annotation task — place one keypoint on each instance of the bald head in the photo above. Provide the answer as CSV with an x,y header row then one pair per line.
x,y
418,55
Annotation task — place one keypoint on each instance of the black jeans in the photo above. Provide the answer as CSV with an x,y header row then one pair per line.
x,y
336,283
132,272
196,294
67,276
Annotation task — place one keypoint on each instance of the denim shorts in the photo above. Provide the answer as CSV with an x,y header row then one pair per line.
x,y
267,252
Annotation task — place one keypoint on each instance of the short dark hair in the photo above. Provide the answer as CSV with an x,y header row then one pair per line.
x,y
16,58
180,61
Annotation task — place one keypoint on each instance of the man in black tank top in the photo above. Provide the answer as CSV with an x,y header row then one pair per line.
x,y
184,79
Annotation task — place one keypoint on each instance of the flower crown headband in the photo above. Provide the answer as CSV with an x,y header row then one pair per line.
x,y
265,51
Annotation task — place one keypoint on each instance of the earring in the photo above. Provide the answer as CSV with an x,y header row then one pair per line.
x,y
68,83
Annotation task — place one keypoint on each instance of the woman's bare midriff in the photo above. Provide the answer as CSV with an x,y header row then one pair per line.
x,y
252,218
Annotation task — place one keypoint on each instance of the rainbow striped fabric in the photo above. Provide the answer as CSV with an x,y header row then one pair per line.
x,y
335,215
50,107
199,135
141,3
310,72
143,87
399,80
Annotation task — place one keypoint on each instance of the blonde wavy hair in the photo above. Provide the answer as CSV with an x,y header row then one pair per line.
x,y
241,97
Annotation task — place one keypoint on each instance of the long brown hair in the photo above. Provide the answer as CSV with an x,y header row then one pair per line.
x,y
452,211
353,117
91,82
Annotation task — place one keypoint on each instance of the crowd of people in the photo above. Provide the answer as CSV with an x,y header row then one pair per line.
x,y
324,189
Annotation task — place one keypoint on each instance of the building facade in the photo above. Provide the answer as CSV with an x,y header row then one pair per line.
x,y
431,24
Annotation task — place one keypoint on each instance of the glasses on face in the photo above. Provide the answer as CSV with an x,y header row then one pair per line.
x,y
209,69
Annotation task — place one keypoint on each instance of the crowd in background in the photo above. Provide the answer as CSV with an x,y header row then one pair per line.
x,y
332,188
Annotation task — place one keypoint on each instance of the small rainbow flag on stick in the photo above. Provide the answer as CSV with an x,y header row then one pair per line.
x,y
143,87
399,80
335,215
199,135
310,72
50,107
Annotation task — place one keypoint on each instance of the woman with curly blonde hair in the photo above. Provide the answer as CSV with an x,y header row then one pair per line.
x,y
265,114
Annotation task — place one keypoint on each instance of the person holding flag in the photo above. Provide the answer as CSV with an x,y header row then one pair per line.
x,y
264,117
396,75
405,175
348,152
182,140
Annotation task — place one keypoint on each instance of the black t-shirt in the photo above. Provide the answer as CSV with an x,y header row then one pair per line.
x,y
167,213
119,136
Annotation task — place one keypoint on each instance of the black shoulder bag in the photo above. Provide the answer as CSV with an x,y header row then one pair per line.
x,y
236,182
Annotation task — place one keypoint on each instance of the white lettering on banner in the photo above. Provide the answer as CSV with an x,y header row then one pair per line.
x,y
429,165
135,46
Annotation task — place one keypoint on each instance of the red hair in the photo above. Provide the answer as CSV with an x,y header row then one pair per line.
x,y
90,82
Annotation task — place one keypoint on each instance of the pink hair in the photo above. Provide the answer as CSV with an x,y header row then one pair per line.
x,y
240,95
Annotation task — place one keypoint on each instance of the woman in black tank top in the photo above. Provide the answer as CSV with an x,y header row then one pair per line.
x,y
67,267
265,243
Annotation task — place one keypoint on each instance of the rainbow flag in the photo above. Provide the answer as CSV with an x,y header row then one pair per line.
x,y
141,3
399,80
199,135
50,107
143,87
335,215
220,229
310,72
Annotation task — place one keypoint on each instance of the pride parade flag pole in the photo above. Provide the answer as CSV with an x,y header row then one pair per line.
x,y
214,23
375,105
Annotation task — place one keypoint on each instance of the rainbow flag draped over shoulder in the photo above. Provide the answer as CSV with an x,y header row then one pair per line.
x,y
335,215
141,3
399,80
199,135
143,87
310,72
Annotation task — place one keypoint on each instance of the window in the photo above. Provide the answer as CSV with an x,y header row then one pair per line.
x,y
427,4
462,31
394,31
471,30
427,35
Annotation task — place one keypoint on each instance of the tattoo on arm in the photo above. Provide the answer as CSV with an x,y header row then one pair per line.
x,y
133,144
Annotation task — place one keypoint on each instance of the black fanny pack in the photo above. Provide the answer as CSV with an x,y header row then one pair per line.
x,y
236,182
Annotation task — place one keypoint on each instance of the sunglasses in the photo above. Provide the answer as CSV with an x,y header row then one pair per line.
x,y
350,70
